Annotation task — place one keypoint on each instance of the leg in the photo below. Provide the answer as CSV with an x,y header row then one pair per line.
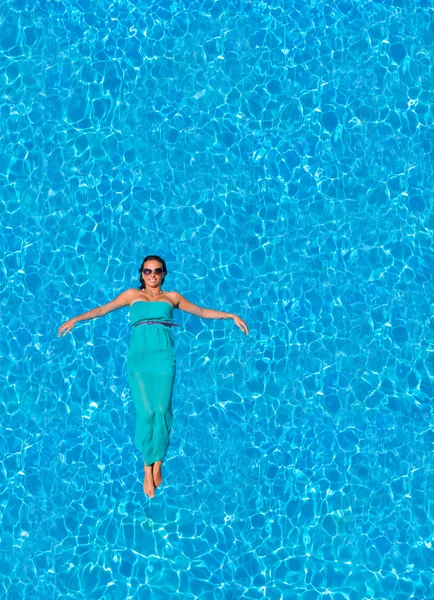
x,y
156,473
148,483
162,425
152,397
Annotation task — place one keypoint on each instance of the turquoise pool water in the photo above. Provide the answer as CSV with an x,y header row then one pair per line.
x,y
280,158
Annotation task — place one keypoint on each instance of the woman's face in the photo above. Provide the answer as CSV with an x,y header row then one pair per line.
x,y
153,279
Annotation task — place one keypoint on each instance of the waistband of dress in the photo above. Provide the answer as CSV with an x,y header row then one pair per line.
x,y
168,324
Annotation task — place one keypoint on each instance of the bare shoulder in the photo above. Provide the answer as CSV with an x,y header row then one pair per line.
x,y
122,299
134,294
126,297
174,297
180,302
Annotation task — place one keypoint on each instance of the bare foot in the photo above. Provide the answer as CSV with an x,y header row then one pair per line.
x,y
148,484
156,473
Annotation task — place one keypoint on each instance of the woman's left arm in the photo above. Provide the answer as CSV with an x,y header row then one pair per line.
x,y
208,313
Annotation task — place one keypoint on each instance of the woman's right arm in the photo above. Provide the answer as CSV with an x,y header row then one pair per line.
x,y
123,299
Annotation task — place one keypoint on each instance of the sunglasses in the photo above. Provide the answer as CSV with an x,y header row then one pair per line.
x,y
149,271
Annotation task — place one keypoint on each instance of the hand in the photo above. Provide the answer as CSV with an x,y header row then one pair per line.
x,y
66,327
241,324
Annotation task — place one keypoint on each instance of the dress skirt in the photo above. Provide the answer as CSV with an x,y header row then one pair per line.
x,y
151,374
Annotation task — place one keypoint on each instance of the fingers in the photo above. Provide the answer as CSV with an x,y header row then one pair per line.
x,y
62,331
243,327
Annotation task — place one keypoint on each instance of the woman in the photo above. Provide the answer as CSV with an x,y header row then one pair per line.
x,y
151,358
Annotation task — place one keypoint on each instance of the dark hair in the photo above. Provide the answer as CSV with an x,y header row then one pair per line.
x,y
158,259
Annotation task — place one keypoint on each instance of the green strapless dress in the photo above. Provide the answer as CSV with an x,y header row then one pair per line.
x,y
151,363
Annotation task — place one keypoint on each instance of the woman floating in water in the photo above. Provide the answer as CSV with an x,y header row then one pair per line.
x,y
151,358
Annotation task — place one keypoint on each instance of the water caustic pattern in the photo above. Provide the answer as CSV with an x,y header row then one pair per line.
x,y
279,157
